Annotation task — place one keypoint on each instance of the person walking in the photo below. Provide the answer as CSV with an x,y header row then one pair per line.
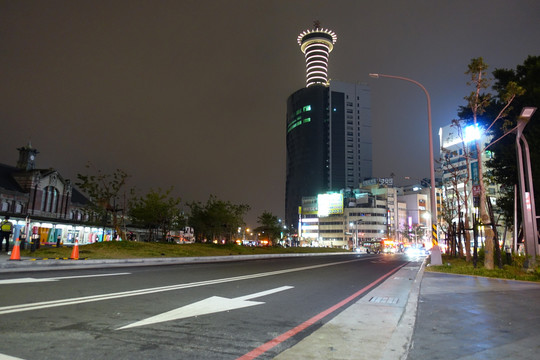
x,y
6,228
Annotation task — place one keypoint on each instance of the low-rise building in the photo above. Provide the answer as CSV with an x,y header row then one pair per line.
x,y
350,218
43,205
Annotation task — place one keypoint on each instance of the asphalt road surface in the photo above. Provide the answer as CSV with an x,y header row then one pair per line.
x,y
238,310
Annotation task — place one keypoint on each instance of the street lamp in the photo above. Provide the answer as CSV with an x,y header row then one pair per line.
x,y
528,210
355,223
355,238
436,251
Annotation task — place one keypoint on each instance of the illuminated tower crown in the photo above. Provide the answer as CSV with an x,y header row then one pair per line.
x,y
317,44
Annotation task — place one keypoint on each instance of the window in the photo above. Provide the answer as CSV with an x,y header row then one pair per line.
x,y
49,201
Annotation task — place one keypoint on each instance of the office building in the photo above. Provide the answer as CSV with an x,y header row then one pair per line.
x,y
369,214
328,130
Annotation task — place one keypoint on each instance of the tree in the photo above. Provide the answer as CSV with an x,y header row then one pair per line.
x,y
477,102
270,225
456,204
157,210
107,194
216,219
504,162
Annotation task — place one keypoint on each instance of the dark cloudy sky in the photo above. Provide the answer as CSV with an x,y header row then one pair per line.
x,y
192,94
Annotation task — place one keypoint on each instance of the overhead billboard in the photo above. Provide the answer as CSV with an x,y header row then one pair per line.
x,y
329,204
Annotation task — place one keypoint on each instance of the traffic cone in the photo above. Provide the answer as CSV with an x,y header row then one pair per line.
x,y
16,251
75,251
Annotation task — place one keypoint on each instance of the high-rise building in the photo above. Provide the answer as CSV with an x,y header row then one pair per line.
x,y
328,129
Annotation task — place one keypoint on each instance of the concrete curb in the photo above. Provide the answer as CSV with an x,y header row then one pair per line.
x,y
400,342
30,264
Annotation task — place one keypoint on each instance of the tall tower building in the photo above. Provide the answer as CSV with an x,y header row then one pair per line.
x,y
328,129
317,44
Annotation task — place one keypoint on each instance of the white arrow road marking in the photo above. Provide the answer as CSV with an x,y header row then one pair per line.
x,y
36,280
210,305
7,357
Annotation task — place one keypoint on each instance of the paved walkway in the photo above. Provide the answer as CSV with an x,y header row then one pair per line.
x,y
414,315
467,317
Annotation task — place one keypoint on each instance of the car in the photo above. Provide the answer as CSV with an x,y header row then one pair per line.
x,y
361,250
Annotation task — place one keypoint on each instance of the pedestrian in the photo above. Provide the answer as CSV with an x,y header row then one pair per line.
x,y
22,237
58,241
6,228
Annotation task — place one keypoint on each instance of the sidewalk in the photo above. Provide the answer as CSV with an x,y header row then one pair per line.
x,y
467,317
413,315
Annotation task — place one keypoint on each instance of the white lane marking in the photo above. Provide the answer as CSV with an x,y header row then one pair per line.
x,y
85,299
36,280
210,305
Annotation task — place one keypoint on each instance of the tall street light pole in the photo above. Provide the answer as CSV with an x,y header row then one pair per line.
x,y
435,251
528,210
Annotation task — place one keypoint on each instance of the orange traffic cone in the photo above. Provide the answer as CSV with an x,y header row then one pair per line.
x,y
16,251
75,251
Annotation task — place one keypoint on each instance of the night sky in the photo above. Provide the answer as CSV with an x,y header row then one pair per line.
x,y
192,94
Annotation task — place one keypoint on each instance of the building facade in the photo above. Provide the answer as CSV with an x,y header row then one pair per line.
x,y
43,205
349,218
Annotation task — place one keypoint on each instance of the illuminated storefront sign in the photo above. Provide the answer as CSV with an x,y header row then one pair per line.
x,y
329,204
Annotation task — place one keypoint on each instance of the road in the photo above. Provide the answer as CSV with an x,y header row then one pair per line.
x,y
235,310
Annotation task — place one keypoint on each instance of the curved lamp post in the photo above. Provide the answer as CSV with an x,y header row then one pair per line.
x,y
526,189
436,251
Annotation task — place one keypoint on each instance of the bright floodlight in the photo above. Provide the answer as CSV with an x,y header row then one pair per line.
x,y
527,112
